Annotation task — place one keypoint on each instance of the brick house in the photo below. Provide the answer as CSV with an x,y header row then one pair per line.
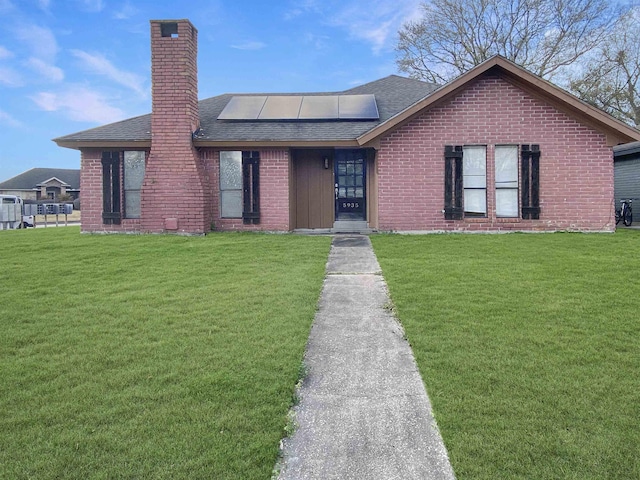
x,y
497,149
43,184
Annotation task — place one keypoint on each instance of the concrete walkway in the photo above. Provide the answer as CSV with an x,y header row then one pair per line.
x,y
364,412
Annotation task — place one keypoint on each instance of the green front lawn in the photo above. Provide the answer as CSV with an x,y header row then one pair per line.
x,y
150,356
529,346
175,357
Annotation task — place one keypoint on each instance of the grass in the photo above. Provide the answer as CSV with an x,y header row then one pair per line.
x,y
150,356
529,346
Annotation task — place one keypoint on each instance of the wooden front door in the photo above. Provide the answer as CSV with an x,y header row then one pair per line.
x,y
313,188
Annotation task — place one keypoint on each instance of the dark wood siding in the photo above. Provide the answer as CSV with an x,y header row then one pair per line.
x,y
314,195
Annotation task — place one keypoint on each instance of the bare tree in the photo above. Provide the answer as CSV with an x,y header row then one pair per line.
x,y
611,78
544,36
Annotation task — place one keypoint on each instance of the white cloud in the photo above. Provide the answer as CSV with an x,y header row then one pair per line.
x,y
41,41
10,78
80,104
375,22
249,45
125,12
382,21
92,5
4,53
377,35
48,71
6,119
44,5
300,7
319,42
98,64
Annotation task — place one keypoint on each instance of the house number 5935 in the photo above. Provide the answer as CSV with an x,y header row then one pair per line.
x,y
350,205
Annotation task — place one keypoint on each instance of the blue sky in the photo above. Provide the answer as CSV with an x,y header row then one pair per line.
x,y
70,65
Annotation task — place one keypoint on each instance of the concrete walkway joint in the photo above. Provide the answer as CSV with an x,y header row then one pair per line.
x,y
363,412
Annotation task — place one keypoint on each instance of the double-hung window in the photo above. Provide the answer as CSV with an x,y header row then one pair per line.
x,y
506,161
239,185
133,178
121,184
465,183
474,180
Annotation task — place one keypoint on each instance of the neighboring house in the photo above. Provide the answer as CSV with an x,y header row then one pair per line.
x,y
497,149
627,171
43,184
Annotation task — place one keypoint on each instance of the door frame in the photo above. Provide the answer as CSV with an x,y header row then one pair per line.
x,y
342,155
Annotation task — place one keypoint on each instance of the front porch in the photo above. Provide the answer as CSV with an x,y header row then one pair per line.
x,y
333,190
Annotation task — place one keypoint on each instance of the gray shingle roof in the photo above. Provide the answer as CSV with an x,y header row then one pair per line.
x,y
632,148
393,94
31,178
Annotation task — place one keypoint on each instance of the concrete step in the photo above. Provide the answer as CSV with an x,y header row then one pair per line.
x,y
351,226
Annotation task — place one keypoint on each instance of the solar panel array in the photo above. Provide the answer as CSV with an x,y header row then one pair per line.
x,y
301,107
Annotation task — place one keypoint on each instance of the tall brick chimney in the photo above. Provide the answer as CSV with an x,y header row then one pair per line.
x,y
175,183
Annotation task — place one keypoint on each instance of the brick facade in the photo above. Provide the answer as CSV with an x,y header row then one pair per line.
x,y
576,165
91,179
576,173
274,191
274,194
181,193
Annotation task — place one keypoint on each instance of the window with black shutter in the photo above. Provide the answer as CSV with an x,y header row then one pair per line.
x,y
240,185
251,187
453,182
111,214
530,173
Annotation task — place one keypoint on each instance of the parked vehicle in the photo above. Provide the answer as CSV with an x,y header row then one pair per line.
x,y
624,212
12,213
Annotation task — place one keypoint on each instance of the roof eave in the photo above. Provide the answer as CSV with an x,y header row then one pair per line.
x,y
274,143
80,144
616,131
62,182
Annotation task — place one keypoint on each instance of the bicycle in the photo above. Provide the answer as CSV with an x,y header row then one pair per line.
x,y
624,212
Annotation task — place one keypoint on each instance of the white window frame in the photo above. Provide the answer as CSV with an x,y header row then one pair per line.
x,y
507,181
474,180
231,200
132,189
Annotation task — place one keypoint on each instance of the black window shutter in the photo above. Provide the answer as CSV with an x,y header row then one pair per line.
x,y
530,171
251,187
111,214
453,182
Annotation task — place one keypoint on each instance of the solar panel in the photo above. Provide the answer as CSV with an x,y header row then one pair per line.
x,y
319,107
281,108
243,108
301,107
358,107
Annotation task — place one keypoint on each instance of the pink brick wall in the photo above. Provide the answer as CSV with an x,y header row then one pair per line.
x,y
576,166
274,194
274,191
576,170
91,196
